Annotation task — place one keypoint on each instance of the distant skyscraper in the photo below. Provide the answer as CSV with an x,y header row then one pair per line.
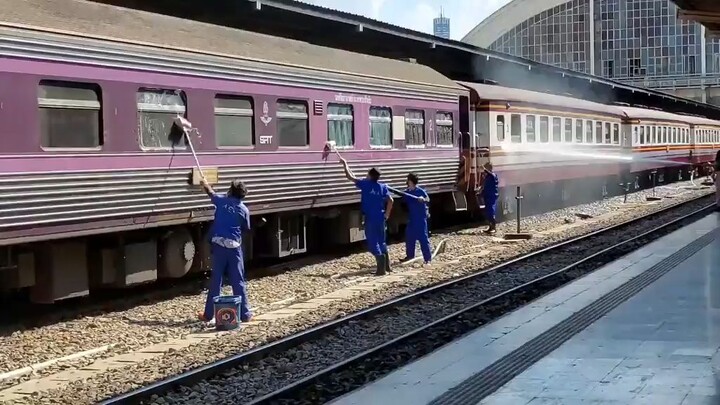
x,y
441,26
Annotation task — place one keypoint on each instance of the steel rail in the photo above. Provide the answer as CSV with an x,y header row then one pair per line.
x,y
218,367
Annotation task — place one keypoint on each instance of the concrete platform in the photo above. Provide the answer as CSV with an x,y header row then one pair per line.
x,y
659,346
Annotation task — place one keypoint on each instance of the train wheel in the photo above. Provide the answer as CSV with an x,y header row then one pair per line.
x,y
177,252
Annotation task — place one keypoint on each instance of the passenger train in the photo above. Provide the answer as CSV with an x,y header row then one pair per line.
x,y
93,195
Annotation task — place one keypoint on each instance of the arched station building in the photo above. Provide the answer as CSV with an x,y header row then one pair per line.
x,y
639,42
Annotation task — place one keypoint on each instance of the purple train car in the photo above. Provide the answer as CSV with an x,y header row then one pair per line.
x,y
93,195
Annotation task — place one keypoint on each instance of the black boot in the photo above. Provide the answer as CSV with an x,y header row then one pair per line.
x,y
387,263
380,261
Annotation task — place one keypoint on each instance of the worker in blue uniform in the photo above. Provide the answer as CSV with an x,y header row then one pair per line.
x,y
232,220
490,193
376,205
417,227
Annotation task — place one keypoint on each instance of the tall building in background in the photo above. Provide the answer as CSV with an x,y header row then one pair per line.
x,y
639,42
441,26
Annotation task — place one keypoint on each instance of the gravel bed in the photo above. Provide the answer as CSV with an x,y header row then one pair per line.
x,y
116,381
411,316
147,324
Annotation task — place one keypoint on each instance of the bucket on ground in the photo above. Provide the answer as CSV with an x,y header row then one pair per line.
x,y
227,310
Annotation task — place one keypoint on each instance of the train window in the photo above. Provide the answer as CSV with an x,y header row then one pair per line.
x,y
616,134
414,128
665,135
608,136
70,115
635,136
233,121
156,111
292,123
579,131
568,130
544,123
380,126
530,128
444,128
675,135
557,129
340,125
653,135
598,132
500,127
515,128
641,138
588,131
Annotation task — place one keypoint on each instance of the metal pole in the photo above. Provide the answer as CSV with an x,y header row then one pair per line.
x,y
518,206
654,174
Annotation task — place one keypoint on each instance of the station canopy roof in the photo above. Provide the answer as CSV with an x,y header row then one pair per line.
x,y
706,12
455,59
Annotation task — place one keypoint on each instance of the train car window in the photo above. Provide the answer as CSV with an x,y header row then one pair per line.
x,y
234,121
500,127
70,115
665,135
653,136
157,109
544,123
557,129
579,131
608,136
598,132
530,128
515,128
635,135
641,139
444,128
414,128
588,131
292,123
340,125
380,126
568,130
616,134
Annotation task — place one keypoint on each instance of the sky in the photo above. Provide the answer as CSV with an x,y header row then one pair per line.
x,y
418,14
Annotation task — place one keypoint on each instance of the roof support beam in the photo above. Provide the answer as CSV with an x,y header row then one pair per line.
x,y
702,17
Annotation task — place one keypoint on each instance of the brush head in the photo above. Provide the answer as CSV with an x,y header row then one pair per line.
x,y
329,147
179,130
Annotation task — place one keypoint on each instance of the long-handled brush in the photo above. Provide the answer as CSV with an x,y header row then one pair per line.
x,y
331,146
182,128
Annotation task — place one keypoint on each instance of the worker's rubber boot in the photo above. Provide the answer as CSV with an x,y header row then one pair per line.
x,y
387,263
380,261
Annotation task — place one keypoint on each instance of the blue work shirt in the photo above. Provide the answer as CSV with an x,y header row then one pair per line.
x,y
372,199
490,186
232,218
416,209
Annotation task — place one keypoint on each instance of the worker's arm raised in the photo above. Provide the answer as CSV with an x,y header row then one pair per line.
x,y
348,173
207,187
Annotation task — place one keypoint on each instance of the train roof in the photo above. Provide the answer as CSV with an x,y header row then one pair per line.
x,y
648,114
100,21
508,94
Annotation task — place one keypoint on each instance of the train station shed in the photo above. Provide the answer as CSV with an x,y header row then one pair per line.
x,y
706,12
455,59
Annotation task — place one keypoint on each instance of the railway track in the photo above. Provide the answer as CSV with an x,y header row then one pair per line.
x,y
387,336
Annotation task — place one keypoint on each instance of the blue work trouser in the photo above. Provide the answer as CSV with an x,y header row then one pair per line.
x,y
227,262
375,236
417,231
490,206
